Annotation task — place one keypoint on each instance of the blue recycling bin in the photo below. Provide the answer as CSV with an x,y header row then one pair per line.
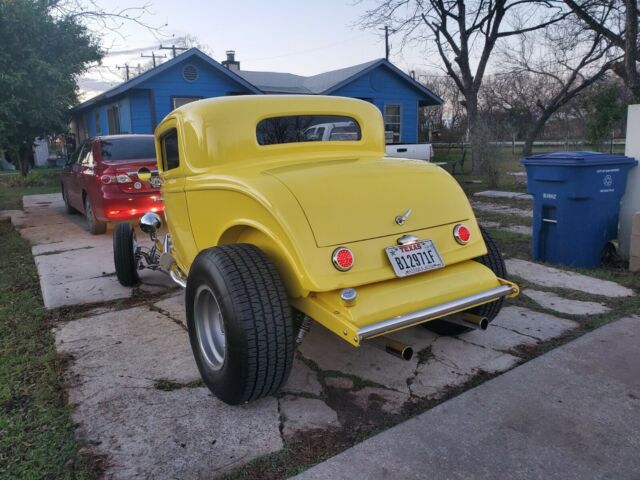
x,y
576,204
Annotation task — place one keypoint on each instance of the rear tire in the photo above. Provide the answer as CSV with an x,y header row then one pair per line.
x,y
95,226
69,209
493,260
240,323
124,247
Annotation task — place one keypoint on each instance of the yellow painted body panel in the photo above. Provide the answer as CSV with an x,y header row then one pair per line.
x,y
299,201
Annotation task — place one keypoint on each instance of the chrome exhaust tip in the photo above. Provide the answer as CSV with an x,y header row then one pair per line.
x,y
469,320
394,347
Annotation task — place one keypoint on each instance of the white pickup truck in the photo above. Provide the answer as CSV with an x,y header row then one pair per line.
x,y
350,131
418,151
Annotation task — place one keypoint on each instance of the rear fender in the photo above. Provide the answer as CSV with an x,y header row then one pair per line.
x,y
242,218
283,258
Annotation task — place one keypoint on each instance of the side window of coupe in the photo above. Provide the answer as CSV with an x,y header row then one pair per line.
x,y
170,153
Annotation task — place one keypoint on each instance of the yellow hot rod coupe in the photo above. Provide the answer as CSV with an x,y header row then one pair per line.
x,y
272,224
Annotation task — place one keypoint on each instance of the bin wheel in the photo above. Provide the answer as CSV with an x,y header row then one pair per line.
x,y
493,260
124,254
240,323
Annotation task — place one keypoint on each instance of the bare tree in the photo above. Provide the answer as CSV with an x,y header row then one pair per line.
x,y
617,22
99,19
465,34
557,65
449,119
190,41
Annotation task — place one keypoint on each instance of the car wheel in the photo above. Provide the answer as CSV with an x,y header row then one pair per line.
x,y
95,226
124,249
70,210
240,323
493,260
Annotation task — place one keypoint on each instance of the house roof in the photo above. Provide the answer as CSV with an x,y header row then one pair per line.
x,y
275,82
324,83
269,82
129,84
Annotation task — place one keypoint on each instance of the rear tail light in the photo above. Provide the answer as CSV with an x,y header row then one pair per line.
x,y
122,178
462,234
342,259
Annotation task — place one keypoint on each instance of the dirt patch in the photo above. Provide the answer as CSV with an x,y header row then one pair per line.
x,y
169,386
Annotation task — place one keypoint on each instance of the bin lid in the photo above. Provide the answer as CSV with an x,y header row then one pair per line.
x,y
577,159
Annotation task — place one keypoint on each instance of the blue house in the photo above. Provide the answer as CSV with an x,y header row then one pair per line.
x,y
138,105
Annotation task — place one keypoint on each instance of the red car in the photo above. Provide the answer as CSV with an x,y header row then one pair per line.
x,y
100,179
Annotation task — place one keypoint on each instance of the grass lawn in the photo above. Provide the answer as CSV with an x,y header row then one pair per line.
x,y
36,431
505,161
13,187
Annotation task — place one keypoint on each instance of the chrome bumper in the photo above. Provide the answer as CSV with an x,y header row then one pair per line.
x,y
437,311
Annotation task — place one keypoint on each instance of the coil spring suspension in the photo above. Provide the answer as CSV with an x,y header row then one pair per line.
x,y
305,326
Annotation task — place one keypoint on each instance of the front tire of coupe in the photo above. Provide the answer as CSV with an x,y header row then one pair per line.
x,y
95,226
493,260
240,323
124,254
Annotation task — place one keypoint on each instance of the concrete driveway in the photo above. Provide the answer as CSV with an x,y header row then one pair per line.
x,y
74,266
137,395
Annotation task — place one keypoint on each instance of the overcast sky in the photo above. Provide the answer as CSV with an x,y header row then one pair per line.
x,y
297,36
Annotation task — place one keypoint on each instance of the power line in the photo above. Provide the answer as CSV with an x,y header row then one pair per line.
x,y
387,30
125,68
173,49
153,56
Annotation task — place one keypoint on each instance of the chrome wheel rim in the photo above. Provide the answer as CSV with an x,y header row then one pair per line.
x,y
209,327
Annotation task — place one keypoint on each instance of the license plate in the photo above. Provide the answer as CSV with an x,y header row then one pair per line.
x,y
417,257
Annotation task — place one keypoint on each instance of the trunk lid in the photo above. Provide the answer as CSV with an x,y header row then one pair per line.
x,y
131,170
347,201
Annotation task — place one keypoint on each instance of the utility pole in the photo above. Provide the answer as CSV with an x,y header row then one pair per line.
x,y
126,69
387,30
173,49
153,57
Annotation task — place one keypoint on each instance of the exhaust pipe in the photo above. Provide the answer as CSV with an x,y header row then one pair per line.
x,y
176,276
394,347
469,320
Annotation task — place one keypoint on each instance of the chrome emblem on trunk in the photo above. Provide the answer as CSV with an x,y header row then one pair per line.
x,y
400,219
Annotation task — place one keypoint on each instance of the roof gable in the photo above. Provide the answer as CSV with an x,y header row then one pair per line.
x,y
134,82
368,67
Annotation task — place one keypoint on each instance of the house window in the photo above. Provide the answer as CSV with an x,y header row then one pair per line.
x,y
180,101
98,127
84,131
170,153
392,124
113,118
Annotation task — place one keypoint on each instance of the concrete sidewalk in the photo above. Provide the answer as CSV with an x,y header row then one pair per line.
x,y
573,413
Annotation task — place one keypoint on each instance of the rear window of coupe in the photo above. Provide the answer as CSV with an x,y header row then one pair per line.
x,y
126,149
307,128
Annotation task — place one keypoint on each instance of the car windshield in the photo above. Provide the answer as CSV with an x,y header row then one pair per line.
x,y
123,149
307,128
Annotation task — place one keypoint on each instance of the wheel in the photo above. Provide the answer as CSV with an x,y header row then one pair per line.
x,y
493,260
95,226
124,248
240,324
69,209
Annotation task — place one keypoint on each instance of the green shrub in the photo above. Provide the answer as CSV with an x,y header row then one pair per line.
x,y
33,179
